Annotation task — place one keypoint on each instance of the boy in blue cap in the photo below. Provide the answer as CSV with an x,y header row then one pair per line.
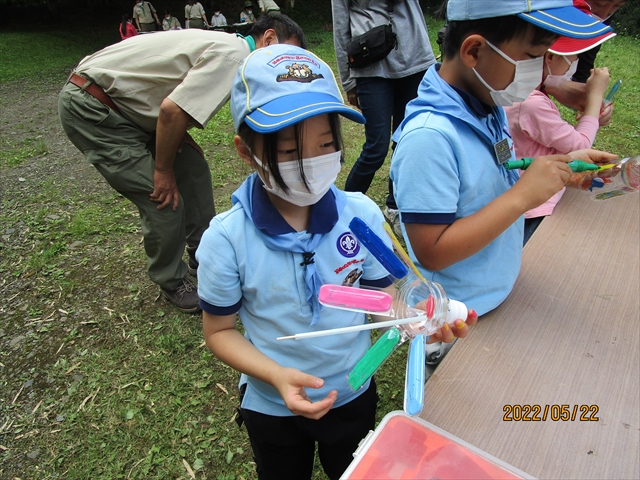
x,y
266,258
461,210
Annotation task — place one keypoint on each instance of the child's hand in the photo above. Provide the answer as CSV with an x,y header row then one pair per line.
x,y
598,81
582,181
596,87
593,156
605,114
291,385
545,177
460,329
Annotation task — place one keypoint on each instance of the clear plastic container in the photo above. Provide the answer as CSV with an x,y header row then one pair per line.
x,y
622,178
412,448
412,296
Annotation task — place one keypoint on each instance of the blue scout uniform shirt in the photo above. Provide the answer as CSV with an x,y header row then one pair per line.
x,y
444,168
239,273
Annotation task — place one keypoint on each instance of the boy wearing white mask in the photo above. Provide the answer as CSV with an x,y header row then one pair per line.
x,y
536,125
461,211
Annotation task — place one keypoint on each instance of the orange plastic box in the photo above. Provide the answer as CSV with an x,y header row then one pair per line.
x,y
404,447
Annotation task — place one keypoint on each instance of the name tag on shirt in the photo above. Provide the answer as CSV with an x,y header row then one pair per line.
x,y
503,150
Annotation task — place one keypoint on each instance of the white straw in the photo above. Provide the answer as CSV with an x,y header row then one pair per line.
x,y
355,328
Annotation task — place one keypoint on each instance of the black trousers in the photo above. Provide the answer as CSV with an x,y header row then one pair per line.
x,y
283,447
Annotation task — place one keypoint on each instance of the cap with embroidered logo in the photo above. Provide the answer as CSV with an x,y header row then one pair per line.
x,y
558,16
279,85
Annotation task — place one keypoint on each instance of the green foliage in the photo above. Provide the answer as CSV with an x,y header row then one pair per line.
x,y
28,54
627,19
13,154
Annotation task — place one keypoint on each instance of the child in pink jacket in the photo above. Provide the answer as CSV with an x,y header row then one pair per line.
x,y
536,125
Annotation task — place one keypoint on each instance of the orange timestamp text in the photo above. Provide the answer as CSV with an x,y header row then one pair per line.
x,y
555,413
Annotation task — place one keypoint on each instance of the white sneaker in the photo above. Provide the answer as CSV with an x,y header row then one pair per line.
x,y
393,217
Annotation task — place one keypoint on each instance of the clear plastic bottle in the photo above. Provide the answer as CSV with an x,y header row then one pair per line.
x,y
416,298
622,178
412,297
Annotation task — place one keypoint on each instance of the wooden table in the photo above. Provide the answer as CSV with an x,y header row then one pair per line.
x,y
567,335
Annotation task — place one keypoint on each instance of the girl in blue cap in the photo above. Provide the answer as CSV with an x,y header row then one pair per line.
x,y
266,258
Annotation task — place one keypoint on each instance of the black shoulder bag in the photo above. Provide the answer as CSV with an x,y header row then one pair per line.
x,y
373,46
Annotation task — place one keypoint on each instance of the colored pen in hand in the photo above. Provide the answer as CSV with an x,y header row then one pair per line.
x,y
574,165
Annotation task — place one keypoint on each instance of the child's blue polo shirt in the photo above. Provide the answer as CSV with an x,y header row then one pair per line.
x,y
444,168
238,273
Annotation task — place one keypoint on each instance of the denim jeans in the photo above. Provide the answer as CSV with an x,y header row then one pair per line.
x,y
382,101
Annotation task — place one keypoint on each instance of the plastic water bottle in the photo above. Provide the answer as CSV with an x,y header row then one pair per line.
x,y
622,178
412,297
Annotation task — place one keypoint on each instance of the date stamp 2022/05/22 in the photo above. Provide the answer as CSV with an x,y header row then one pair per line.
x,y
555,413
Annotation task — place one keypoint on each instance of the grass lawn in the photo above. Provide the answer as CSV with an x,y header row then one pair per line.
x,y
98,377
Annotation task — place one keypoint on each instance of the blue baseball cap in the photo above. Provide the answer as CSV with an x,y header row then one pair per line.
x,y
558,16
280,85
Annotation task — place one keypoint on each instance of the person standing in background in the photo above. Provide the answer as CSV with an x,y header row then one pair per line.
x,y
169,22
247,16
195,15
269,7
383,89
144,14
218,19
127,29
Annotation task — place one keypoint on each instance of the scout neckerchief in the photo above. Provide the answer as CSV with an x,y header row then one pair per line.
x,y
290,241
250,40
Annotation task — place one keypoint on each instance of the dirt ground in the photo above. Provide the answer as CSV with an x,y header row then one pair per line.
x,y
48,303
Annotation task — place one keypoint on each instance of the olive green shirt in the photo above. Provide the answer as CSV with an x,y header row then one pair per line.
x,y
194,68
194,11
144,12
170,23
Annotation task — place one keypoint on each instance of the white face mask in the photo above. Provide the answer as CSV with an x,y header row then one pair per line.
x,y
557,80
321,172
527,77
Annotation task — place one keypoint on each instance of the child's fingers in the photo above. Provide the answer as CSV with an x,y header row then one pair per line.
x,y
444,334
313,410
605,115
460,327
472,318
296,379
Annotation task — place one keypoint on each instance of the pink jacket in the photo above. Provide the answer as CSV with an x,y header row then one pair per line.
x,y
538,129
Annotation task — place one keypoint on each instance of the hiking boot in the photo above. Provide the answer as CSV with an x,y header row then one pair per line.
x,y
192,264
393,217
185,297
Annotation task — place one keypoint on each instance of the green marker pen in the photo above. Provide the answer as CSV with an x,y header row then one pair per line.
x,y
575,165
578,166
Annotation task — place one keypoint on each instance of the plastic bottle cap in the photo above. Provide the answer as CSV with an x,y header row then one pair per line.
x,y
456,310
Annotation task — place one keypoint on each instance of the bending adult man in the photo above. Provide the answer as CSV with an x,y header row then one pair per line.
x,y
129,115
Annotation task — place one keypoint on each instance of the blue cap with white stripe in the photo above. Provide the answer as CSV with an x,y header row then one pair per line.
x,y
280,85
558,16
